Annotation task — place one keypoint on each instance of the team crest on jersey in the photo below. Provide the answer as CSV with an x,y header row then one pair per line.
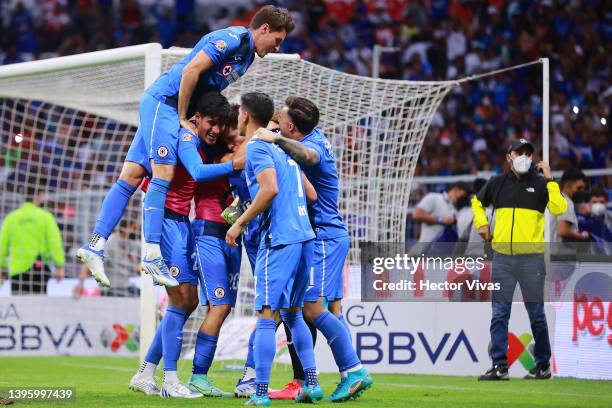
x,y
219,293
174,271
187,137
227,70
221,45
162,151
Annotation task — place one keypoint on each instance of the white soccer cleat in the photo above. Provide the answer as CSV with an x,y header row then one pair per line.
x,y
94,260
245,388
177,390
159,271
144,384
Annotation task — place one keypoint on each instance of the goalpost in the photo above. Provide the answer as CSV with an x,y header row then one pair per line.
x,y
75,117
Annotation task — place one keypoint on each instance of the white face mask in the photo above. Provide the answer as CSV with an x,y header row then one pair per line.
x,y
598,209
521,164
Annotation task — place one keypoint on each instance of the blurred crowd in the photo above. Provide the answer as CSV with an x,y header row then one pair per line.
x,y
434,40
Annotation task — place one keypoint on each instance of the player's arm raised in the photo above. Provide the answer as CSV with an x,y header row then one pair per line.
x,y
268,189
191,74
300,153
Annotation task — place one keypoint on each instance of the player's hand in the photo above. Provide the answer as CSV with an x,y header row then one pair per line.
x,y
187,124
448,220
59,273
232,235
485,233
266,135
239,162
545,169
584,235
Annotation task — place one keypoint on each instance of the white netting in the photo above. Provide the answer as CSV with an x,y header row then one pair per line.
x,y
74,127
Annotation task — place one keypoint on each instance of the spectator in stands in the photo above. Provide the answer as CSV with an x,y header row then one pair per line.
x,y
565,227
30,238
438,210
595,218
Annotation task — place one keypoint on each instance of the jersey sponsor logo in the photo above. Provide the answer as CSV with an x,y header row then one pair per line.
x,y
175,271
221,45
227,70
187,137
219,293
162,151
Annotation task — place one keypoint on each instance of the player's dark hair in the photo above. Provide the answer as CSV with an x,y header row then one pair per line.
x,y
213,104
303,113
232,116
277,18
573,175
259,105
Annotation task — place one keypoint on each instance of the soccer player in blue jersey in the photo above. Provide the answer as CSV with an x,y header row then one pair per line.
x,y
177,246
279,191
306,144
216,61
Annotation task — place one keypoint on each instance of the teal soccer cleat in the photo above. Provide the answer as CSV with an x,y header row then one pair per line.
x,y
352,386
310,394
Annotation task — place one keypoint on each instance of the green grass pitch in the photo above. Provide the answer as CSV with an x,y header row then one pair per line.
x,y
103,382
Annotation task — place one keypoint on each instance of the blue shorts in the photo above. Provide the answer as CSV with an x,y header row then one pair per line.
x,y
177,248
157,134
219,265
281,275
326,274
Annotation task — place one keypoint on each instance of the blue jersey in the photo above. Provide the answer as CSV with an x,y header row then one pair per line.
x,y
286,221
328,222
232,52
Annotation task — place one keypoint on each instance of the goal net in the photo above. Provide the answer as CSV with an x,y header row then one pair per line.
x,y
67,124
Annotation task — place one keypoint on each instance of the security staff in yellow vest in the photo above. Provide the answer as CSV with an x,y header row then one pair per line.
x,y
519,199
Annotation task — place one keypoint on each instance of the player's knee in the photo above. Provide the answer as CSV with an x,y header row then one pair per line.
x,y
132,173
311,311
163,171
221,311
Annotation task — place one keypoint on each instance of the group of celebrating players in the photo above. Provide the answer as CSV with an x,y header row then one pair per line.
x,y
261,179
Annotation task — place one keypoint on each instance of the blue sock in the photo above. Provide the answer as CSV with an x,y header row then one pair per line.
x,y
310,377
205,348
172,341
262,389
338,339
154,203
154,354
302,340
113,207
250,361
264,347
348,329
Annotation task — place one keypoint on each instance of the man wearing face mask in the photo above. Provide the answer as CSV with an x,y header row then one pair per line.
x,y
594,217
519,199
565,227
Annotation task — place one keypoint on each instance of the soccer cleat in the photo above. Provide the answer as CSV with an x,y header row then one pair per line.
x,y
258,401
539,372
309,394
177,390
144,384
352,386
94,260
245,388
291,390
200,383
158,270
496,373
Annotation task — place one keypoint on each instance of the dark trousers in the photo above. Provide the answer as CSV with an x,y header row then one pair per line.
x,y
31,282
529,272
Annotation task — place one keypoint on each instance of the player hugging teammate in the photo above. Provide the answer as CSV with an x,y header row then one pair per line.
x,y
191,144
